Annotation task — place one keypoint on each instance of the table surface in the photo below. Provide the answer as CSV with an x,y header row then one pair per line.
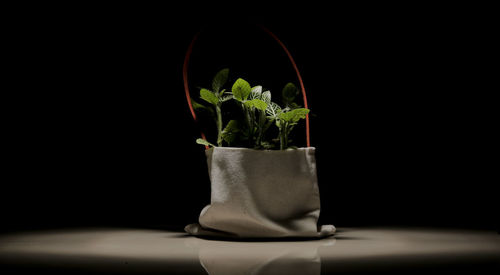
x,y
125,250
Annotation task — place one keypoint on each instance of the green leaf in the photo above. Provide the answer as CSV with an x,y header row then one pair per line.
x,y
273,110
257,103
197,105
289,93
295,115
226,98
293,105
232,126
267,145
241,90
204,142
209,97
229,133
202,108
256,92
266,97
219,80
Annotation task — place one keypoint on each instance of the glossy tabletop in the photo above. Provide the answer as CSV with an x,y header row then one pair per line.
x,y
122,250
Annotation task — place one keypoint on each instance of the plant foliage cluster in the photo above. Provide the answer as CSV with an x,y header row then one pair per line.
x,y
257,114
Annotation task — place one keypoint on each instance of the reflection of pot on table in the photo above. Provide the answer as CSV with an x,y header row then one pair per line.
x,y
296,257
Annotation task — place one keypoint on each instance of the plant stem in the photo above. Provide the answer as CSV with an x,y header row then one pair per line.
x,y
219,124
248,120
285,134
281,137
262,121
252,123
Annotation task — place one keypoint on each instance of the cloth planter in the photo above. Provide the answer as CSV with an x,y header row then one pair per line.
x,y
261,194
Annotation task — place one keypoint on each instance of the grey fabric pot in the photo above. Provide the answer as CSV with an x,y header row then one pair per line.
x,y
260,194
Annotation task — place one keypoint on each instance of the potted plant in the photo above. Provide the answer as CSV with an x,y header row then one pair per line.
x,y
262,185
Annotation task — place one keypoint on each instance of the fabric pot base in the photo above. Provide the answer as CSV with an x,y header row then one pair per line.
x,y
261,194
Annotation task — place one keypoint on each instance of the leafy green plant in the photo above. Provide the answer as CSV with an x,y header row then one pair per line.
x,y
216,97
287,117
286,122
254,103
259,113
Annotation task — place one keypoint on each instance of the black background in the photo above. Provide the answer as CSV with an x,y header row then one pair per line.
x,y
98,131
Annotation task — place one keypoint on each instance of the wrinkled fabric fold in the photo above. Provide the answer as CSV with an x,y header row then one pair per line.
x,y
261,194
